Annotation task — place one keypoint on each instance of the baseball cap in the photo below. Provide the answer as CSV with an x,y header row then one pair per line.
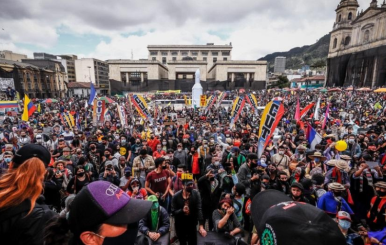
x,y
344,215
103,202
152,198
295,223
31,150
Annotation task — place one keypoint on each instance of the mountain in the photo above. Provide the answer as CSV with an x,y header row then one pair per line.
x,y
313,55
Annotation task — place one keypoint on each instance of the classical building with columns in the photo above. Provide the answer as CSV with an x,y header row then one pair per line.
x,y
357,53
173,67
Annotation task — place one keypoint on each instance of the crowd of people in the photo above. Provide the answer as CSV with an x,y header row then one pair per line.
x,y
135,180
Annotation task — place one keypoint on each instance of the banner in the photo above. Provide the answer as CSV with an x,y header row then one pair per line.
x,y
202,100
306,110
5,83
221,97
270,118
251,99
9,104
238,105
99,111
141,106
211,101
122,115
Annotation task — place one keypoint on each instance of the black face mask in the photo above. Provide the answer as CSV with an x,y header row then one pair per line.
x,y
127,174
92,147
337,194
107,155
189,189
381,193
211,179
80,174
163,167
253,165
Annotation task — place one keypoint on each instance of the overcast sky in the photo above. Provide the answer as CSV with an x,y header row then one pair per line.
x,y
114,29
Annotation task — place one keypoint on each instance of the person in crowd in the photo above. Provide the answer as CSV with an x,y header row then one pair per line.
x,y
52,190
110,174
332,202
156,223
4,164
143,165
375,216
180,154
297,193
158,152
187,211
71,160
22,219
81,178
135,189
280,159
98,214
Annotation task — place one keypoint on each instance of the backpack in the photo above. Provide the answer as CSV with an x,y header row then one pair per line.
x,y
248,207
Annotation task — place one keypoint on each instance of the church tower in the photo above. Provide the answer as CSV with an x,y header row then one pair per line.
x,y
346,12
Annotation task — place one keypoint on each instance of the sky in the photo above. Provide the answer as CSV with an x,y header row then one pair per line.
x,y
122,29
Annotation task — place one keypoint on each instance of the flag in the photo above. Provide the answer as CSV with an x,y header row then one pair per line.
x,y
326,115
9,104
39,108
92,94
29,108
221,97
77,121
186,100
238,106
297,113
251,99
306,110
270,118
99,112
202,100
122,115
141,106
313,137
316,114
211,101
71,119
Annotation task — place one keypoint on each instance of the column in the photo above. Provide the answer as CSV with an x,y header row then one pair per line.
x,y
127,77
247,76
141,77
233,77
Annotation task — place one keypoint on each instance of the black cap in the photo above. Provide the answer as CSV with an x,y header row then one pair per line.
x,y
252,156
29,151
297,185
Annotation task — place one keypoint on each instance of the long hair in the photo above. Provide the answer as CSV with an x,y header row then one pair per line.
x,y
24,182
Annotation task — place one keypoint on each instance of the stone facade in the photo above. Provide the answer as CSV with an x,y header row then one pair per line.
x,y
358,46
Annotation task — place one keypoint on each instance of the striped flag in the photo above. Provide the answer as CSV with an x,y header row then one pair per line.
x,y
313,137
326,115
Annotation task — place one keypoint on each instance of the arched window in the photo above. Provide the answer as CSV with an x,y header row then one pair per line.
x,y
335,43
349,16
339,18
366,37
347,40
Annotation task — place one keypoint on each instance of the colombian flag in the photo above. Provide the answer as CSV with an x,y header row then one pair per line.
x,y
29,108
9,104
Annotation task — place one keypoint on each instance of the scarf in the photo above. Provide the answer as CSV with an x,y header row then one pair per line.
x,y
337,175
369,178
154,219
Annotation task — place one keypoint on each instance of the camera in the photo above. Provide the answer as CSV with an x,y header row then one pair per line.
x,y
58,172
109,169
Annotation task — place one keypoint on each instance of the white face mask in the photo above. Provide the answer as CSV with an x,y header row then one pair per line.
x,y
216,163
281,152
262,160
135,188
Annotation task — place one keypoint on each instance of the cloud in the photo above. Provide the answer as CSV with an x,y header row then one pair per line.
x,y
255,27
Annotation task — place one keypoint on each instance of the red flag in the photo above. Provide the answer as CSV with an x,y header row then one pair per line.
x,y
306,110
297,113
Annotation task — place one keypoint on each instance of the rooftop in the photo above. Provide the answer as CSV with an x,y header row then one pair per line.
x,y
80,85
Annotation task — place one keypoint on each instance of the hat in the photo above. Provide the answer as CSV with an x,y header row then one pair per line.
x,y
8,153
297,185
31,150
252,156
134,180
380,184
329,136
345,157
103,202
296,223
344,215
59,161
318,155
127,170
341,164
152,198
336,186
109,150
66,149
264,200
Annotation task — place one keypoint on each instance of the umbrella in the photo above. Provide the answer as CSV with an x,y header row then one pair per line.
x,y
380,90
50,101
241,90
119,96
294,89
324,90
349,89
365,89
277,98
106,99
334,90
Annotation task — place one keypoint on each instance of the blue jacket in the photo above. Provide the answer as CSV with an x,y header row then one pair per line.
x,y
328,203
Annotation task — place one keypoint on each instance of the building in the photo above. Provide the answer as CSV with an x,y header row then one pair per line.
x,y
279,65
173,67
9,55
57,75
68,61
357,52
29,79
94,70
44,56
80,89
311,82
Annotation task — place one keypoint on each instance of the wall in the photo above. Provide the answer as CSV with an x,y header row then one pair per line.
x,y
82,70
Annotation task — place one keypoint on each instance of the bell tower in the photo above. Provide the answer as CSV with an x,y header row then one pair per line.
x,y
346,12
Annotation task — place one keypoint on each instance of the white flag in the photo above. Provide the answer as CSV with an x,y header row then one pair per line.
x,y
316,114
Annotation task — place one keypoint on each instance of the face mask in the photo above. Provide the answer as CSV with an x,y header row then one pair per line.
x,y
7,160
123,141
155,206
135,188
211,179
179,175
301,152
281,152
127,174
92,147
189,189
164,142
211,141
345,224
107,155
381,193
179,149
351,141
163,167
337,194
317,160
138,142
80,174
216,163
262,161
39,140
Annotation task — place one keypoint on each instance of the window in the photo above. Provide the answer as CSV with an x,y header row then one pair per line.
x,y
339,18
135,74
366,37
225,53
347,40
165,53
214,53
163,60
349,16
184,53
194,58
205,58
153,53
225,58
204,53
174,58
194,53
335,43
214,59
174,53
153,58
